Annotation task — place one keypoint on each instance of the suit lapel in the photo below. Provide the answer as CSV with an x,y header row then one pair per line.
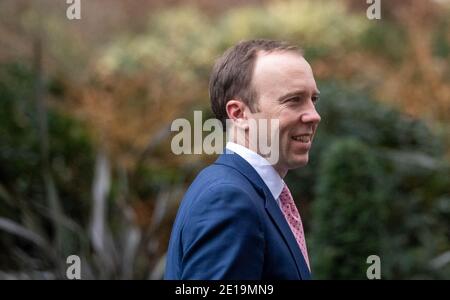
x,y
241,165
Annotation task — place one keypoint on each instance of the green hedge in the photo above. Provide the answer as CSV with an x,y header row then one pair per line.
x,y
348,210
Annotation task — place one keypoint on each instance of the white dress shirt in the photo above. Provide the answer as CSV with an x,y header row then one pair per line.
x,y
264,169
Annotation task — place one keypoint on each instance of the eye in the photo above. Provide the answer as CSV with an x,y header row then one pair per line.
x,y
294,99
315,98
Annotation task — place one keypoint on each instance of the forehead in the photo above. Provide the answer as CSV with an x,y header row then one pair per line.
x,y
280,72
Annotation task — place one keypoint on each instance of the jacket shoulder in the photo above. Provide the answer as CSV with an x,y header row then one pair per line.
x,y
219,188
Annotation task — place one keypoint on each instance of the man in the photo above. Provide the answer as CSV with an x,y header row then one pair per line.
x,y
238,219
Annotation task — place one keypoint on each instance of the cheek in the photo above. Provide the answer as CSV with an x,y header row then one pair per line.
x,y
288,124
285,140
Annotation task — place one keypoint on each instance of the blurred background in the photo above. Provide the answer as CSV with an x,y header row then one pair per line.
x,y
86,107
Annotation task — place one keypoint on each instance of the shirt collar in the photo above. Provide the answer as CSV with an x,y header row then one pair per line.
x,y
264,169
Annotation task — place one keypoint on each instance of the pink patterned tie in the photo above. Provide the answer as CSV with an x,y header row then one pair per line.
x,y
295,222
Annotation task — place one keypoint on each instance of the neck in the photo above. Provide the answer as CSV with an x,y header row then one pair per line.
x,y
280,170
246,143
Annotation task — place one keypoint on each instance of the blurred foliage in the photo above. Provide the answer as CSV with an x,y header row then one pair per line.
x,y
348,211
21,176
81,213
107,187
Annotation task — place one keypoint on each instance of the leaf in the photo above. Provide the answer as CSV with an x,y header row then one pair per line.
x,y
101,237
158,271
22,232
440,261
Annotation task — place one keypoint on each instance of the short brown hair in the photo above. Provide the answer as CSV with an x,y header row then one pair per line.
x,y
232,74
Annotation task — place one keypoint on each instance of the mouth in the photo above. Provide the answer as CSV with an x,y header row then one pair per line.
x,y
302,138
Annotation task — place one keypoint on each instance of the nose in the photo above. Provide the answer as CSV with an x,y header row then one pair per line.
x,y
311,116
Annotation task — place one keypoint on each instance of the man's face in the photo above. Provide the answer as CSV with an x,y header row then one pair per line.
x,y
287,91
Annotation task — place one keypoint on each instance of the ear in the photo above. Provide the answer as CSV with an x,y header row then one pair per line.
x,y
237,112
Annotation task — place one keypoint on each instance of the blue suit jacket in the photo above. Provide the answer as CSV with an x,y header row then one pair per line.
x,y
229,226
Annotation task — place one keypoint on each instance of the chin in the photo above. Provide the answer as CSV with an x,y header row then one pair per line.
x,y
299,161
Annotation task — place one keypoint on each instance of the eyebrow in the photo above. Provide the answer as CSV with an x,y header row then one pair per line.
x,y
296,93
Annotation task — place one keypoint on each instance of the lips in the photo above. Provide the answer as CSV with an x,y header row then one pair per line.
x,y
303,138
